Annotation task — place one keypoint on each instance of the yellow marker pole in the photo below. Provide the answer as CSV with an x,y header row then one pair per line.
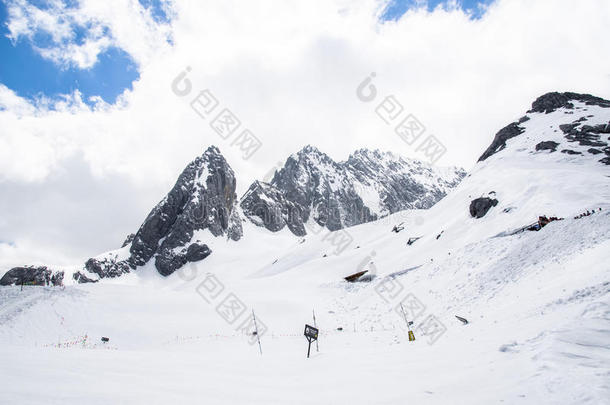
x,y
411,334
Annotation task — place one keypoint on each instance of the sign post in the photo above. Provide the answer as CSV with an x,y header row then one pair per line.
x,y
258,338
315,325
411,334
311,334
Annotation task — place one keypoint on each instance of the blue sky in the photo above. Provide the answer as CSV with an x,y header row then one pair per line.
x,y
396,8
29,75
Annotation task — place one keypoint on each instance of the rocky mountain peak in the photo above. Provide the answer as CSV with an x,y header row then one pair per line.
x,y
582,118
581,123
370,184
203,198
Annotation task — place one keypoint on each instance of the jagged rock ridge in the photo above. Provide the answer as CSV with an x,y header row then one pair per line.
x,y
369,185
202,198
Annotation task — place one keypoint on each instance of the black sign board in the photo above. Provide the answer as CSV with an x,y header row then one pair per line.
x,y
311,334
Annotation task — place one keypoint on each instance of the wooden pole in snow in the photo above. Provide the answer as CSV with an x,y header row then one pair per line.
x,y
314,324
405,316
257,335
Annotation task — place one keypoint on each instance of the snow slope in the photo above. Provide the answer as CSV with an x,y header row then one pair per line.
x,y
538,305
538,329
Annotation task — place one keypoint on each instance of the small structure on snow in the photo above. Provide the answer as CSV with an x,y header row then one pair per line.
x,y
398,228
354,277
413,240
463,320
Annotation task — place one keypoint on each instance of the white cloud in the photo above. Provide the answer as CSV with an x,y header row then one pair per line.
x,y
289,71
123,24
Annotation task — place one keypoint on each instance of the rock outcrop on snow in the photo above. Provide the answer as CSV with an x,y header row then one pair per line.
x,y
267,206
369,185
108,265
550,102
32,275
510,131
81,278
547,145
480,206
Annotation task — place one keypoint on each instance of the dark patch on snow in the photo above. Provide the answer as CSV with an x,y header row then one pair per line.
x,y
107,267
547,145
480,206
80,278
571,152
510,131
585,135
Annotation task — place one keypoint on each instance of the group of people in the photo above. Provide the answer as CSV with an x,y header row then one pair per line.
x,y
586,214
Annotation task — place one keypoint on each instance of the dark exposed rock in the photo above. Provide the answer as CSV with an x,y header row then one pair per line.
x,y
129,239
480,206
547,145
80,278
568,128
605,160
32,275
57,278
267,206
499,142
597,129
571,152
197,251
108,266
312,186
594,151
585,135
169,261
552,101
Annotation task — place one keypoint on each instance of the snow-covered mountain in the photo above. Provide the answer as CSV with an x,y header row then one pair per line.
x,y
202,199
368,185
311,187
537,303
